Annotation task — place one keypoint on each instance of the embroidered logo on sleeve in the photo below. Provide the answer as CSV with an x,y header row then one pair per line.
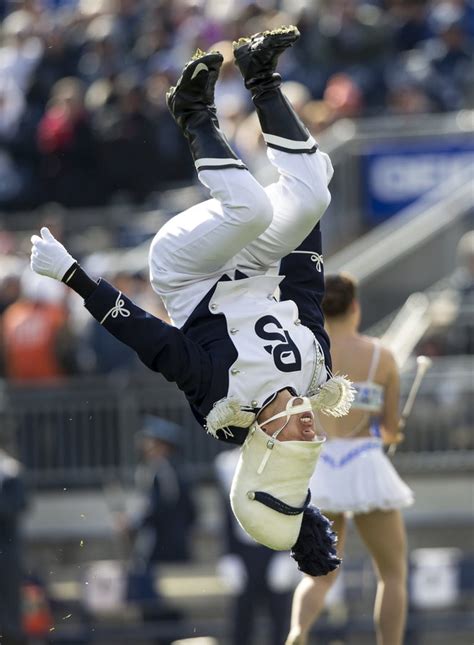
x,y
118,308
317,258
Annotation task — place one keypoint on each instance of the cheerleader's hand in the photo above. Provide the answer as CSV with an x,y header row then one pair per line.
x,y
48,256
392,439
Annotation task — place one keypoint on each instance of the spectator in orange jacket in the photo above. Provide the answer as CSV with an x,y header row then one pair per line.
x,y
35,337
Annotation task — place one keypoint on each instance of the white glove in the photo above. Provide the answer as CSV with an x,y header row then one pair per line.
x,y
48,256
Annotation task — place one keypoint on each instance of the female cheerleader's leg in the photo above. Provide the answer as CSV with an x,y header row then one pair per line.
x,y
309,595
383,532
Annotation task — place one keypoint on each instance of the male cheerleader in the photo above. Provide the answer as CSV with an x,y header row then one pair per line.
x,y
250,364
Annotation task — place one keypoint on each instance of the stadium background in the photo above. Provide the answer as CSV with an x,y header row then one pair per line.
x,y
88,147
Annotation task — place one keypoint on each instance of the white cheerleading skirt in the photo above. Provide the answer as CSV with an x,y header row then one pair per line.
x,y
355,475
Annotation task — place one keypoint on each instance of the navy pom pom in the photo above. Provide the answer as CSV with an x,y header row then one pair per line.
x,y
315,548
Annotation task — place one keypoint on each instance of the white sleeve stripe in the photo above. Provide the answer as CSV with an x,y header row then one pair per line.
x,y
289,143
229,161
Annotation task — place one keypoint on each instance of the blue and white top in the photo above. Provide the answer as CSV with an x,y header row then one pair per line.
x,y
369,395
239,341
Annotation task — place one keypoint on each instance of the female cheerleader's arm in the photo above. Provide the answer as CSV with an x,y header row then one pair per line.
x,y
161,347
390,418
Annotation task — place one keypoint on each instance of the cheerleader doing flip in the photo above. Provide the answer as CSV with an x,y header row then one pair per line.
x,y
252,366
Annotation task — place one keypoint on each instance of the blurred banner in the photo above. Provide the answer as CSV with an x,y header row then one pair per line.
x,y
394,176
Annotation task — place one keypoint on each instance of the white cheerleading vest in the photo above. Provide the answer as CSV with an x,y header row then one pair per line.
x,y
274,349
283,471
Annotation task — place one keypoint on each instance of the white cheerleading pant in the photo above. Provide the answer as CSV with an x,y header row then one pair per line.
x,y
244,226
355,475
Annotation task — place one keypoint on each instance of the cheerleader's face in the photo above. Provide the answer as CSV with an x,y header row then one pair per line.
x,y
296,427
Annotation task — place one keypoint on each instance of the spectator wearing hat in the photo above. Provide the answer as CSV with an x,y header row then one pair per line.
x,y
161,532
169,513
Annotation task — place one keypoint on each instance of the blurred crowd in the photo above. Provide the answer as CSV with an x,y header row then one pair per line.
x,y
83,120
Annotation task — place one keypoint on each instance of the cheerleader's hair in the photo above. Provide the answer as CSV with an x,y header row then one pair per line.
x,y
334,398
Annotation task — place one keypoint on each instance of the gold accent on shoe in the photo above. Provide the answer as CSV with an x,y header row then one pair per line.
x,y
199,53
239,43
284,29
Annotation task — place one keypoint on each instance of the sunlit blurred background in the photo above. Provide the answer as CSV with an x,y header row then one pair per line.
x,y
88,148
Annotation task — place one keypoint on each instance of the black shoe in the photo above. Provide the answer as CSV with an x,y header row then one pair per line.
x,y
194,90
191,102
257,56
